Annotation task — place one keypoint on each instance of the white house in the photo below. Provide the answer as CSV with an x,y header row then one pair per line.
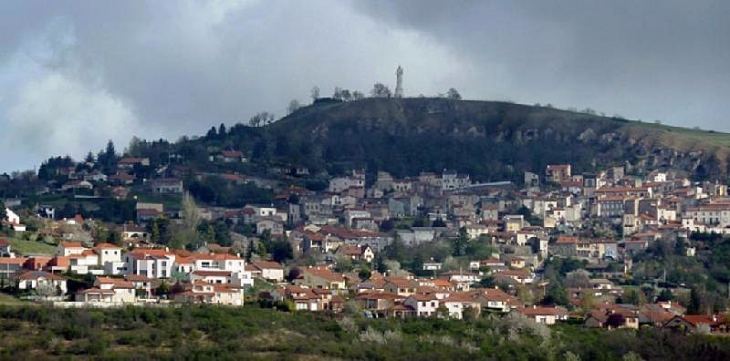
x,y
458,303
270,270
110,258
32,280
423,305
153,263
14,220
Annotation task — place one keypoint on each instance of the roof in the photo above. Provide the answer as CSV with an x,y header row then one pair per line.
x,y
400,282
543,311
423,297
212,273
115,282
68,244
267,265
34,275
96,290
106,246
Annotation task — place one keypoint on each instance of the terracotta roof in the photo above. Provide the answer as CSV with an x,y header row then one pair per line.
x,y
115,282
96,290
106,246
212,273
543,311
67,244
34,275
267,265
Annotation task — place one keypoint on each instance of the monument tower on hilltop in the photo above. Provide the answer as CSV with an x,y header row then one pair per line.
x,y
399,82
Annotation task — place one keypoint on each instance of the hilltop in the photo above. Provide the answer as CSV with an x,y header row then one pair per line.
x,y
490,140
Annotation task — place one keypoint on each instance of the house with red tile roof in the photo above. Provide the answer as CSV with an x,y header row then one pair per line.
x,y
34,280
544,315
269,270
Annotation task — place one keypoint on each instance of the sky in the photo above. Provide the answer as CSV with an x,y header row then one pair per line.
x,y
75,74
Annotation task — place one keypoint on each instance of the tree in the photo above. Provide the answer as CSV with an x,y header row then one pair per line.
x,y
453,94
293,106
364,274
460,242
587,300
3,212
90,156
695,302
315,93
556,295
633,298
380,90
261,119
357,95
665,295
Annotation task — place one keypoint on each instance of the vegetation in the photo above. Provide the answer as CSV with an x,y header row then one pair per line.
x,y
210,332
31,246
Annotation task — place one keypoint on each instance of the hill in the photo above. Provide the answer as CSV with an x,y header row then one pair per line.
x,y
490,140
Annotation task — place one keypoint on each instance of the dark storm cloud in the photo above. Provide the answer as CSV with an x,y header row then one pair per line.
x,y
74,74
667,60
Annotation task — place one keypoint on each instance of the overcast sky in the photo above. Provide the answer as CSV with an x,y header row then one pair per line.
x,y
74,74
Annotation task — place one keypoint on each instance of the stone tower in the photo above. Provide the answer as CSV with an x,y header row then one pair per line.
x,y
399,82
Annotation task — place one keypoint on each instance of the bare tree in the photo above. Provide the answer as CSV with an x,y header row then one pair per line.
x,y
356,95
190,213
315,93
380,90
293,106
261,119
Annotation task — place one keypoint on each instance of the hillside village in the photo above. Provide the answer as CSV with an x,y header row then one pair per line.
x,y
559,246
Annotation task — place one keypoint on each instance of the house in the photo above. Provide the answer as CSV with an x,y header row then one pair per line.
x,y
400,286
37,280
13,220
209,293
460,303
5,249
319,277
231,156
304,298
123,291
271,271
152,263
496,300
544,315
423,305
521,276
558,172
8,267
379,303
695,323
166,185
110,258
272,224
77,184
356,253
128,163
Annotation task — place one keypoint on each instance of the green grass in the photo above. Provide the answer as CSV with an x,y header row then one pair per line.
x,y
8,300
708,136
31,247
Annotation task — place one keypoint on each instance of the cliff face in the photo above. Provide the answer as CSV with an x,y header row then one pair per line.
x,y
490,140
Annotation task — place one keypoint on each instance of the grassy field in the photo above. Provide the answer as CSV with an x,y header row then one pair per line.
x,y
8,300
31,247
